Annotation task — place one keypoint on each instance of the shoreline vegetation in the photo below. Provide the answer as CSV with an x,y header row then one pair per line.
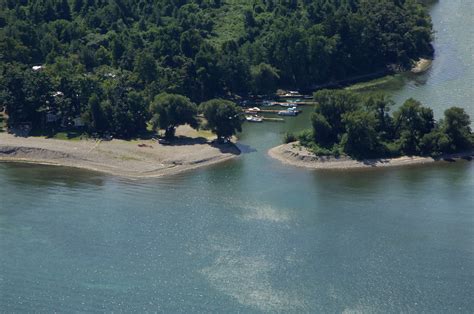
x,y
380,79
350,130
124,71
371,85
106,67
296,155
132,159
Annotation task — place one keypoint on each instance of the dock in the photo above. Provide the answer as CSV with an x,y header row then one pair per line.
x,y
250,111
274,119
297,102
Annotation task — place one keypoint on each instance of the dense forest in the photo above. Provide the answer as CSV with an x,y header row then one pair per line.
x,y
345,123
106,60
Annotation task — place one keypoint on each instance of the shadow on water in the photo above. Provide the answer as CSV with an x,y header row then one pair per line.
x,y
246,149
24,176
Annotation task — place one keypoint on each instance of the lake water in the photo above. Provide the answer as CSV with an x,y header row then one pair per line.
x,y
252,235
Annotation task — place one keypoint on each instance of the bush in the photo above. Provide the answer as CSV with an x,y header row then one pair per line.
x,y
289,138
392,149
306,138
321,151
337,151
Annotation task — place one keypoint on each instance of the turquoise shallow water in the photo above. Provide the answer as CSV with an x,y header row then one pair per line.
x,y
252,235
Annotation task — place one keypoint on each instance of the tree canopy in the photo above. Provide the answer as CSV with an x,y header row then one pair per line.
x,y
362,127
126,52
170,111
223,117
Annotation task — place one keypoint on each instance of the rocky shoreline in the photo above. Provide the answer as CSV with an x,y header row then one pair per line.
x,y
422,66
296,155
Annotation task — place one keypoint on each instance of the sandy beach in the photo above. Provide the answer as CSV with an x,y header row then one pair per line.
x,y
136,158
293,154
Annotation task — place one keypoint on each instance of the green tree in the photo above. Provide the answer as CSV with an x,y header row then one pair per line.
x,y
170,110
457,125
265,79
78,5
435,143
412,121
25,94
63,9
333,104
118,49
145,67
322,130
102,56
125,109
365,127
223,117
234,68
360,139
190,48
380,104
190,42
94,117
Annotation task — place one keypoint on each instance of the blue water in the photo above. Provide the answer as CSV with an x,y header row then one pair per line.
x,y
250,235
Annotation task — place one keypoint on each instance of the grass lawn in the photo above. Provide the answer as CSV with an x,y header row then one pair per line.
x,y
205,133
388,82
229,21
70,136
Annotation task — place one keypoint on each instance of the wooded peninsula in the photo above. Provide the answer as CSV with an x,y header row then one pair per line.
x,y
121,67
361,127
130,69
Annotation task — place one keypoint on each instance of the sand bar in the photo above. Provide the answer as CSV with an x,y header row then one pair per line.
x,y
294,154
136,159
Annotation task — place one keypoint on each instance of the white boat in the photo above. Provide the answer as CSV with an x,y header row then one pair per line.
x,y
254,118
288,112
292,94
288,104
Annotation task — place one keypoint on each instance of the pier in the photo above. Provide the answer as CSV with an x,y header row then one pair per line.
x,y
251,111
295,102
274,119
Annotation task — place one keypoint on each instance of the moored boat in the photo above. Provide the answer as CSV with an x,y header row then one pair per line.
x,y
289,112
288,104
254,118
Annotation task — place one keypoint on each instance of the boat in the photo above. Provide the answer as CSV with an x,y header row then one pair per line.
x,y
268,103
291,94
254,118
289,112
254,110
288,104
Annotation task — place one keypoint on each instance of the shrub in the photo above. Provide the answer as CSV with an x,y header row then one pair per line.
x,y
289,138
306,138
321,151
